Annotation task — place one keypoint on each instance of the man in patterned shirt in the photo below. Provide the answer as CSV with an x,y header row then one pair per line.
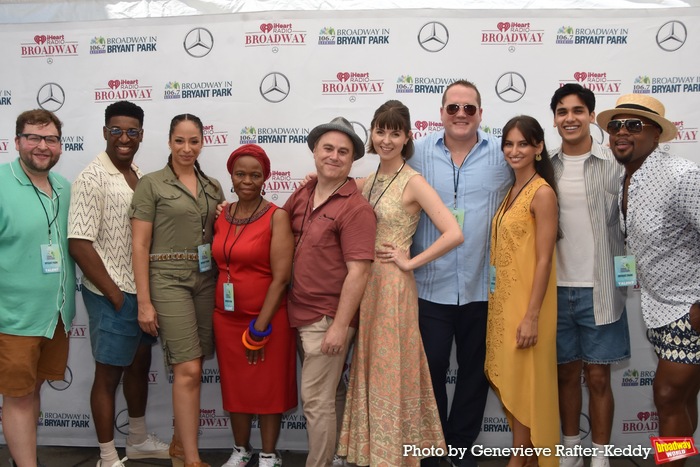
x,y
660,208
99,233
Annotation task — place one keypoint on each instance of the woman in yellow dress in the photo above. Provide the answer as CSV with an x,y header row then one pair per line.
x,y
521,360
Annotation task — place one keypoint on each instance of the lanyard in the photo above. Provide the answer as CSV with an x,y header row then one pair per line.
x,y
455,177
227,257
206,202
504,208
369,195
49,222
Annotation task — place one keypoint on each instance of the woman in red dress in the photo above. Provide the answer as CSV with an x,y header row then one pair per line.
x,y
256,348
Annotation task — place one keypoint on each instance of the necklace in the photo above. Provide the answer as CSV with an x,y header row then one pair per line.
x,y
376,176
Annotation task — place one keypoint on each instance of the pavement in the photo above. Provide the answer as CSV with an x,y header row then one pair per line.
x,y
65,456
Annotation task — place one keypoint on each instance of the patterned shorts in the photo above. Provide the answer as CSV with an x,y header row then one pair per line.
x,y
676,342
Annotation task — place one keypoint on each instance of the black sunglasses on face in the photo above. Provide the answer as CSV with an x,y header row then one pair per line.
x,y
131,132
452,109
632,125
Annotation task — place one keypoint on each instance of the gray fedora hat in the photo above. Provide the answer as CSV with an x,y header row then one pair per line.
x,y
342,125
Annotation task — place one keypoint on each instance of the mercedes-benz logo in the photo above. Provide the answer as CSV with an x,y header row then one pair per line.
x,y
510,87
62,385
360,130
198,42
51,97
584,425
671,36
597,133
274,87
121,422
433,36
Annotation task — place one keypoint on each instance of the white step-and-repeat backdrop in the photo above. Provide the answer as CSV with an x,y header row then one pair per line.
x,y
269,78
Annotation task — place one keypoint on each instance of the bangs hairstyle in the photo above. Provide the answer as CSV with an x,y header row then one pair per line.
x,y
393,115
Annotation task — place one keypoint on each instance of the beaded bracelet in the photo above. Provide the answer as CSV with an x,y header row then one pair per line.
x,y
244,339
257,333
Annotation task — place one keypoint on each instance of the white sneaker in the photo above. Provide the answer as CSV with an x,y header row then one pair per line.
x,y
116,464
571,461
269,460
239,458
338,461
152,448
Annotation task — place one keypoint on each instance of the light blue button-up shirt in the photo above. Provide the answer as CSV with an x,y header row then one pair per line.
x,y
460,276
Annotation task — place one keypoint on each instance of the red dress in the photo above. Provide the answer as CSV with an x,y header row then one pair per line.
x,y
268,387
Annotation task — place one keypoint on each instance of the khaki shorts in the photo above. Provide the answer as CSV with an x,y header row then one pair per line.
x,y
184,302
24,360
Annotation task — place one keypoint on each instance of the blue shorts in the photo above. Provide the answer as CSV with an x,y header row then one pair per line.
x,y
676,342
115,336
579,338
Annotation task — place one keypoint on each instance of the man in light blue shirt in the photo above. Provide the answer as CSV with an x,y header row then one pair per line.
x,y
467,169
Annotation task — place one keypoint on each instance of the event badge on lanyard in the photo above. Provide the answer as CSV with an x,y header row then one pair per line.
x,y
492,278
50,258
458,213
625,270
228,296
204,257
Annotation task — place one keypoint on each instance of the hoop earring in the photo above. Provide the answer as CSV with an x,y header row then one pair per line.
x,y
538,157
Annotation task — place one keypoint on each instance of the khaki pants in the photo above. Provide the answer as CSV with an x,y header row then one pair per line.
x,y
320,377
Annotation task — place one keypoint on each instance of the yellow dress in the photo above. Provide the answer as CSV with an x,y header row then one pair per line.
x,y
524,379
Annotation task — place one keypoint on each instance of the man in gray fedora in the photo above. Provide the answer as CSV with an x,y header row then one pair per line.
x,y
334,231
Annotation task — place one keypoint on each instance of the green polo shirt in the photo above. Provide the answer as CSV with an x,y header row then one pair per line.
x,y
31,300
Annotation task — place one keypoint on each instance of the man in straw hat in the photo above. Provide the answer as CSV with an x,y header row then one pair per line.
x,y
660,201
334,231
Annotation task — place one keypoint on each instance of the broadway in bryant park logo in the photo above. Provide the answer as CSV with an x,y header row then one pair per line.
x,y
422,84
567,35
49,45
353,36
669,449
5,97
128,44
644,84
197,90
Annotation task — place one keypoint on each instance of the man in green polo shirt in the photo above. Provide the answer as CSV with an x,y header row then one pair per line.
x,y
37,278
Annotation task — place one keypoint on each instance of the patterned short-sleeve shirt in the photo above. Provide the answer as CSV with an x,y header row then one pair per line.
x,y
663,232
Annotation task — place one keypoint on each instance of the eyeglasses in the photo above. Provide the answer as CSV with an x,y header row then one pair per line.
x,y
35,140
118,132
452,109
632,125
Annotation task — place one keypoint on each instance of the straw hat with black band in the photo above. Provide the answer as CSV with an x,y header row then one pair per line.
x,y
643,106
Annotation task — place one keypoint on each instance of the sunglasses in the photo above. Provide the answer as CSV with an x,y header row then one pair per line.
x,y
452,109
632,125
118,132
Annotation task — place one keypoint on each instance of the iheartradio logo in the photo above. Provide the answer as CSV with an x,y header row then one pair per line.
x,y
266,27
421,125
114,83
503,26
644,416
580,76
343,76
40,39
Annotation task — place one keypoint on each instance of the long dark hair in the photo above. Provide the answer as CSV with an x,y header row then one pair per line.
x,y
533,133
177,119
